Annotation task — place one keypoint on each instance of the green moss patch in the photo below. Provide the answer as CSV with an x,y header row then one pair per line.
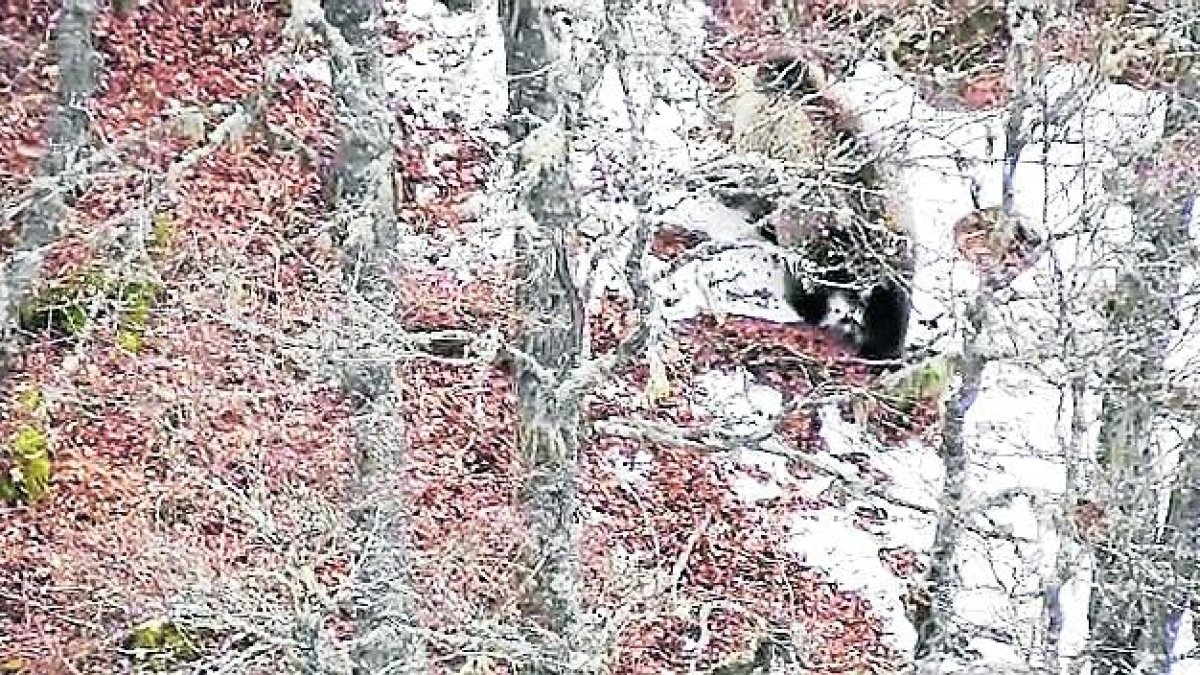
x,y
26,466
67,307
159,643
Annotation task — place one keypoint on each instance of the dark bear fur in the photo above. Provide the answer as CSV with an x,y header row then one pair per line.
x,y
878,335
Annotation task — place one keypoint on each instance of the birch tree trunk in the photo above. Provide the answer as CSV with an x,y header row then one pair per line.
x,y
546,45
363,193
68,136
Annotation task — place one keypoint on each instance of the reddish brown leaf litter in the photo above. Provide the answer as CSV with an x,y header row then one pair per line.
x,y
183,54
303,110
442,170
1000,246
28,80
655,507
670,242
144,444
611,323
1173,170
438,300
800,430
792,357
680,518
148,447
902,562
462,473
986,90
1092,521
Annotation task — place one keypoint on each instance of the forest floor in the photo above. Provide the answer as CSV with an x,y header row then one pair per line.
x,y
202,453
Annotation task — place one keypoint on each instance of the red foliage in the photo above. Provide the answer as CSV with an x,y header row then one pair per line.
x,y
611,323
902,562
462,472
194,53
437,300
790,357
670,242
986,90
680,510
145,443
680,515
28,81
1092,521
441,169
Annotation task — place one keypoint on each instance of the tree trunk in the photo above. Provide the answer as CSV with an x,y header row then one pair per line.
x,y
1179,542
547,78
68,136
1135,597
364,212
935,621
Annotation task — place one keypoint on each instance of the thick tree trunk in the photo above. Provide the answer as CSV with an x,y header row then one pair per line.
x,y
549,416
1134,604
365,218
547,78
1179,541
68,136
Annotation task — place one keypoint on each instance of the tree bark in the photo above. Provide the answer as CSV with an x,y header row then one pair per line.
x,y
68,136
547,77
935,622
1135,598
364,213
1179,542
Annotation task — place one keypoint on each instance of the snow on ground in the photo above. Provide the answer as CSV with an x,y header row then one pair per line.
x,y
831,542
454,75
1014,427
741,407
1056,184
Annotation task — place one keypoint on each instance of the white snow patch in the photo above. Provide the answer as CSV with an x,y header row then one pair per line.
x,y
745,282
739,406
842,437
851,555
916,473
317,70
702,213
455,76
1012,430
829,541
1184,643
